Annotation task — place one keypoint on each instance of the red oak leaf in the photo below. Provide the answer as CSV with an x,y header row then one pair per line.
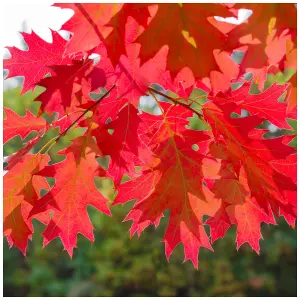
x,y
182,84
87,24
63,90
241,209
14,159
21,191
248,217
102,23
74,189
34,63
15,124
114,42
131,78
220,81
125,129
265,105
261,183
288,167
107,109
219,223
177,26
125,148
175,183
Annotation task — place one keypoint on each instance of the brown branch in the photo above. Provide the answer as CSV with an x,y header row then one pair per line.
x,y
87,110
176,102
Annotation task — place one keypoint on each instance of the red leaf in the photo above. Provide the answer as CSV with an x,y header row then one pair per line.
x,y
61,89
114,42
219,223
257,189
14,159
174,182
130,76
264,105
177,26
74,189
15,124
125,148
241,209
288,167
248,218
34,63
21,191
87,24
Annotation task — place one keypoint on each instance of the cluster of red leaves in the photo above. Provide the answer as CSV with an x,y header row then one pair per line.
x,y
230,172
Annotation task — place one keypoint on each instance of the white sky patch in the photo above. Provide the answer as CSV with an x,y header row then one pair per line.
x,y
273,128
243,15
27,16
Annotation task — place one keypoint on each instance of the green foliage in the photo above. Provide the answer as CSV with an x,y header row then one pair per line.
x,y
118,266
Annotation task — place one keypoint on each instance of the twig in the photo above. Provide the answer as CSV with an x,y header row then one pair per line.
x,y
175,101
87,110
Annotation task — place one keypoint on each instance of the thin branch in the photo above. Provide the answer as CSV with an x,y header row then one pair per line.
x,y
176,102
87,110
68,115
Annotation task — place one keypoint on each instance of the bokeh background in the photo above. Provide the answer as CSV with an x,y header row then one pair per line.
x,y
116,265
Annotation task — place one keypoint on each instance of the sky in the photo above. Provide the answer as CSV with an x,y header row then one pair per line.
x,y
37,16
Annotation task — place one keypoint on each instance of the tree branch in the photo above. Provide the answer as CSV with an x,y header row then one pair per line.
x,y
176,102
87,110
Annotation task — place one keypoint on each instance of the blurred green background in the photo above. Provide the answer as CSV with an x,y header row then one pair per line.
x,y
116,265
